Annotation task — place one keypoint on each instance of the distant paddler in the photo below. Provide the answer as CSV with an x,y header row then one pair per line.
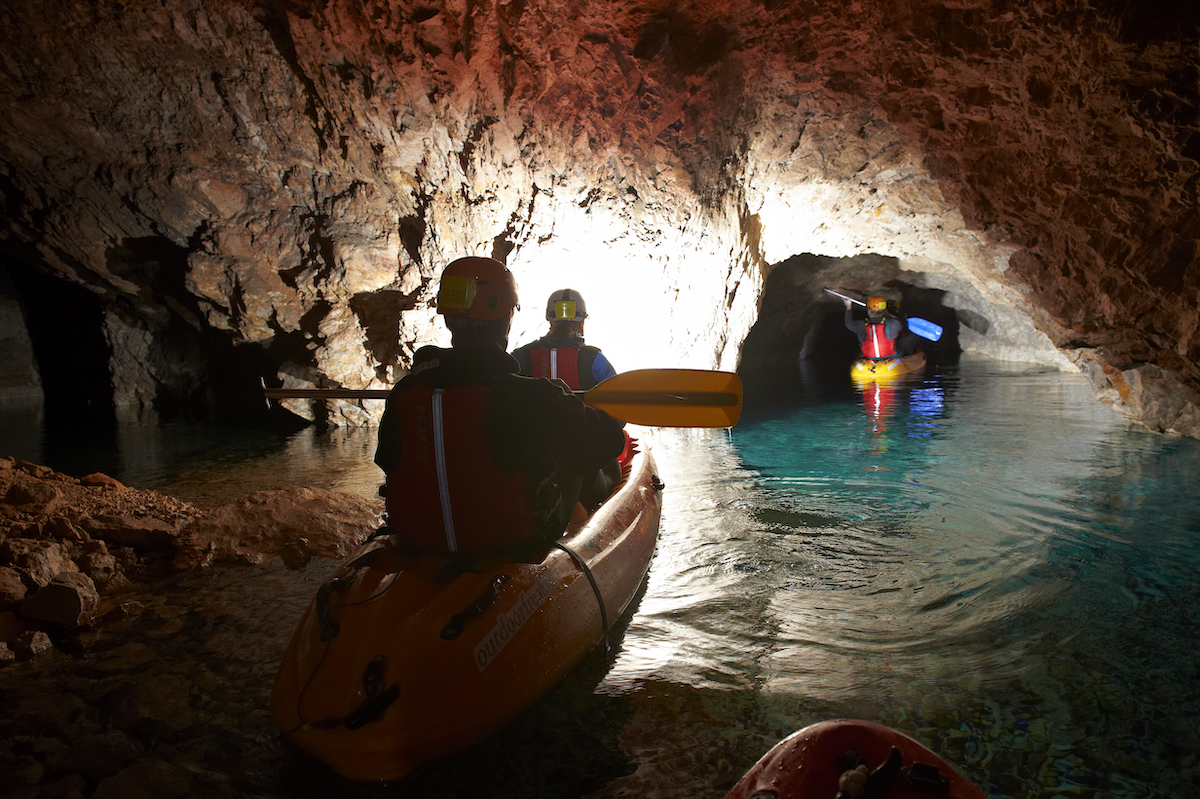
x,y
879,332
888,348
922,327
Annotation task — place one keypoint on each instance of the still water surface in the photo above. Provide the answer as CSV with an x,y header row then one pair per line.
x,y
983,557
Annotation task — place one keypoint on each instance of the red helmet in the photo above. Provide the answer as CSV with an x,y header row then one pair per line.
x,y
477,288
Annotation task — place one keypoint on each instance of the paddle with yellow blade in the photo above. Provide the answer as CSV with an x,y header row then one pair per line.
x,y
648,397
670,397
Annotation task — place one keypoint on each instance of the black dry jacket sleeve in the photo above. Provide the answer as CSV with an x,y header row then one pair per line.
x,y
538,424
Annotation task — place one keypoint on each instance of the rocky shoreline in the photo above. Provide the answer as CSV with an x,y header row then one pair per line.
x,y
71,549
139,633
154,679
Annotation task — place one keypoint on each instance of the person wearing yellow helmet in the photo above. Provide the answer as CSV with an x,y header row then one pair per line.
x,y
878,333
562,353
479,460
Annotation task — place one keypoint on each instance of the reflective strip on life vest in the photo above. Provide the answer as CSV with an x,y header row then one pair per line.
x,y
447,495
560,363
878,345
439,449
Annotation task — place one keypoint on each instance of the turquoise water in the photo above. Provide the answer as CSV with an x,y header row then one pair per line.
x,y
983,557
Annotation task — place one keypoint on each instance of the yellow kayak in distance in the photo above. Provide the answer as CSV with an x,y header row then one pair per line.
x,y
867,370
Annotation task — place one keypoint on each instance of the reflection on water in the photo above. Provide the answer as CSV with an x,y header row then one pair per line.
x,y
204,465
983,557
339,460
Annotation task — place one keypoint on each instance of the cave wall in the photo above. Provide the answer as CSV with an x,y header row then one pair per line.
x,y
289,178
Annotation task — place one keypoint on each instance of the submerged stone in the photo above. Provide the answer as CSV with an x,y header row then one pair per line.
x,y
69,600
291,523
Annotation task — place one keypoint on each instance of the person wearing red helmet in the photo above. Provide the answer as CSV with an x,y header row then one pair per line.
x,y
479,460
561,353
878,333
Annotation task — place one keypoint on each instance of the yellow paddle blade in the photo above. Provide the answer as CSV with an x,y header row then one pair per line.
x,y
649,397
670,397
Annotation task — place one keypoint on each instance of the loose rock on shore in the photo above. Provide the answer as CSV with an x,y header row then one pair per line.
x,y
71,547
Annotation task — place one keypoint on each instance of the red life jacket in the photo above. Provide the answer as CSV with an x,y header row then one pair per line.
x,y
877,344
557,362
448,496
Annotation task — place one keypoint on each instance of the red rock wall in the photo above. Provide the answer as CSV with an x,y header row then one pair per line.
x,y
292,176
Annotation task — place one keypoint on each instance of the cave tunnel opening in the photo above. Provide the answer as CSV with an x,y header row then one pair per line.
x,y
800,345
192,372
97,362
64,322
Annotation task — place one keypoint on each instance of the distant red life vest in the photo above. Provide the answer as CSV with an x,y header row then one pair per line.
x,y
448,496
560,362
877,344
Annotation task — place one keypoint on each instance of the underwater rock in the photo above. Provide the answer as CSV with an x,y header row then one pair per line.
x,y
69,547
97,755
69,600
288,523
169,781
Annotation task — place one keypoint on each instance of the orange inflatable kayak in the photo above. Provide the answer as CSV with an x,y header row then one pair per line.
x,y
401,659
851,758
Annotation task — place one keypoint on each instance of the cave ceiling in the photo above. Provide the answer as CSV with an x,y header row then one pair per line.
x,y
287,179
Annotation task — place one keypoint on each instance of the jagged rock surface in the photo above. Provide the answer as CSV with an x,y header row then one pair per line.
x,y
72,548
276,186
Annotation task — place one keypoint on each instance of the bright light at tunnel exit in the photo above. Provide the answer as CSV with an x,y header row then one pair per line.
x,y
629,310
657,295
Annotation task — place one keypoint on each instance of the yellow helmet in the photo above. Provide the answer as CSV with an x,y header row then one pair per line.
x,y
477,288
876,303
566,305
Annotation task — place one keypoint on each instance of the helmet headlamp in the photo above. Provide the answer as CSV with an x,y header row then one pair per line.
x,y
564,310
456,293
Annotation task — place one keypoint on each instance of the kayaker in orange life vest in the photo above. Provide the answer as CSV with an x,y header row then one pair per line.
x,y
878,333
479,460
561,353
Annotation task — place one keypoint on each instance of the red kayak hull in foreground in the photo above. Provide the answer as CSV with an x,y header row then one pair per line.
x,y
809,763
